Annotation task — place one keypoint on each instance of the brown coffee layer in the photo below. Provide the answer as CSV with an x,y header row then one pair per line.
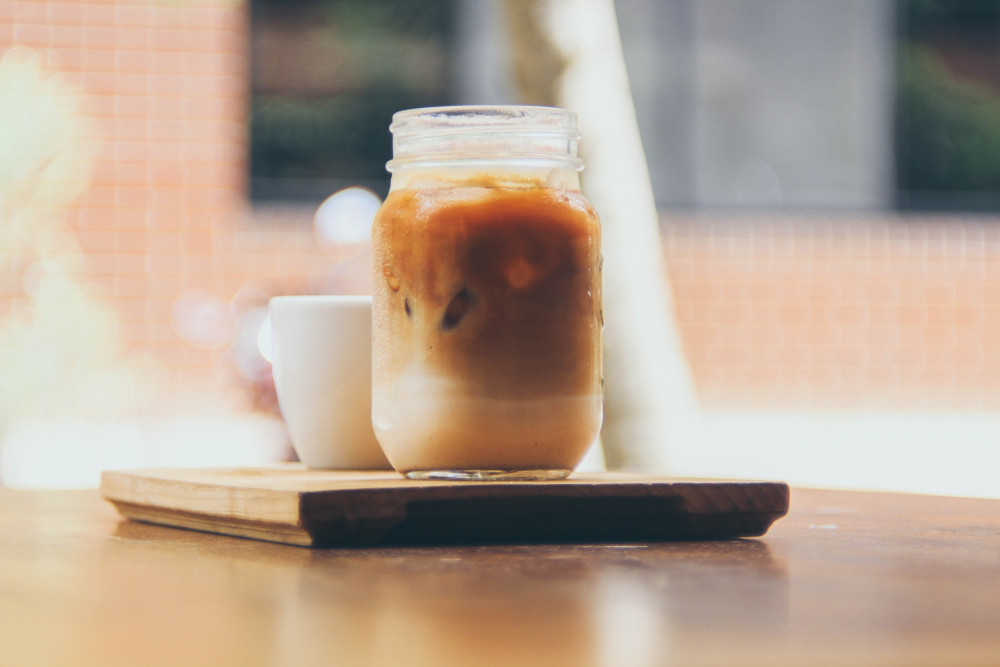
x,y
487,328
498,286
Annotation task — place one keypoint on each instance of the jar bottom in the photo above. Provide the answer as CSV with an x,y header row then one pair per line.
x,y
491,475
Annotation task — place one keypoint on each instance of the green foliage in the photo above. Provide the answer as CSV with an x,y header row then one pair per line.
x,y
386,19
377,57
948,131
343,137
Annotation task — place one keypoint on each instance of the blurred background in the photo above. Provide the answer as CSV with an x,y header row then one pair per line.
x,y
827,176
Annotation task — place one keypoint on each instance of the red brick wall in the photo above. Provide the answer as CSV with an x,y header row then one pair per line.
x,y
775,311
164,84
839,310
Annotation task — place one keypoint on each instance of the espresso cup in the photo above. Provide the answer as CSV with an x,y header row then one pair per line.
x,y
322,374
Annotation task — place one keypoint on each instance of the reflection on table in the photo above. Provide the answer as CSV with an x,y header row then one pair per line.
x,y
845,578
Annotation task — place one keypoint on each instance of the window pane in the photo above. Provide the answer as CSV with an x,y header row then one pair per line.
x,y
948,105
326,77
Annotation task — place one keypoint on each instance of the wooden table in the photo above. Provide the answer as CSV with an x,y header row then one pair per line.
x,y
846,578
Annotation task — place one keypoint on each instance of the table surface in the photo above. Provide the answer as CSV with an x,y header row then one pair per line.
x,y
845,578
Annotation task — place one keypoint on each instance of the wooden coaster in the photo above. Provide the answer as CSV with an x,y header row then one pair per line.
x,y
293,505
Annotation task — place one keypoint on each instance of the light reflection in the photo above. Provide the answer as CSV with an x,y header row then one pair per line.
x,y
202,319
345,219
251,362
265,339
629,621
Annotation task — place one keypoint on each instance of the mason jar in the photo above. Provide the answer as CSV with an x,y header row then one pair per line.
x,y
486,314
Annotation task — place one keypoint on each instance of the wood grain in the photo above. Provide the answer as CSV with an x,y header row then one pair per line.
x,y
293,505
845,579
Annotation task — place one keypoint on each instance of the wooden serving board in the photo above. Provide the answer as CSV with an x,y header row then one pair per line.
x,y
291,504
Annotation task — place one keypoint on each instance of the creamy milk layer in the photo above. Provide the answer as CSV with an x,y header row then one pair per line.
x,y
486,327
433,423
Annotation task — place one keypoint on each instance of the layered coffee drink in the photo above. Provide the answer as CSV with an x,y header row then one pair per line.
x,y
486,322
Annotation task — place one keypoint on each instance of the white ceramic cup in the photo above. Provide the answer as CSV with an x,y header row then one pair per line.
x,y
321,349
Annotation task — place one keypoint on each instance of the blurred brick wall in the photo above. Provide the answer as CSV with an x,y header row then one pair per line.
x,y
839,311
165,83
775,311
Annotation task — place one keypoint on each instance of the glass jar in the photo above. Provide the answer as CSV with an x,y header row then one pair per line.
x,y
486,314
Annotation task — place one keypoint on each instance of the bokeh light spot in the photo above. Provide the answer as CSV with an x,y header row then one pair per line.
x,y
202,320
346,217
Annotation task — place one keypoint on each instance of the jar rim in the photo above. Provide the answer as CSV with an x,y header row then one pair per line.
x,y
471,135
480,118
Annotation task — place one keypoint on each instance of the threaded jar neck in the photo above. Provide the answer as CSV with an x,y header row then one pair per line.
x,y
467,135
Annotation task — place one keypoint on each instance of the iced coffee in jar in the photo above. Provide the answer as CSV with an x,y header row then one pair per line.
x,y
487,297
